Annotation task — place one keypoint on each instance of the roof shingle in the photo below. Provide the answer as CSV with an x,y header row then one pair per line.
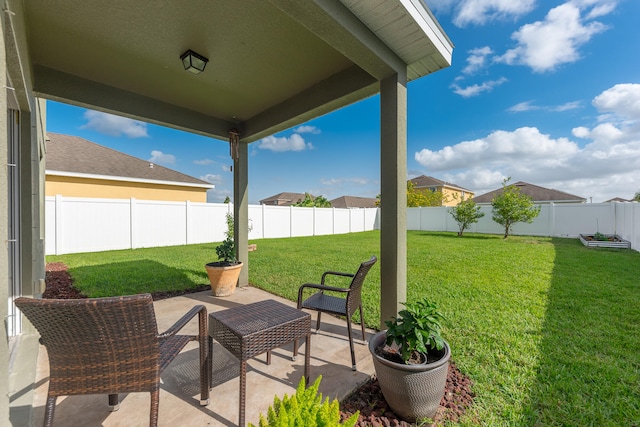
x,y
72,154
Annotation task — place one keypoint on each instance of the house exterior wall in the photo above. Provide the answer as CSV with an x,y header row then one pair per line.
x,y
453,197
102,188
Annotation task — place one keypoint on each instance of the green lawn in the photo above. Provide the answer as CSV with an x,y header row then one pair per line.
x,y
549,331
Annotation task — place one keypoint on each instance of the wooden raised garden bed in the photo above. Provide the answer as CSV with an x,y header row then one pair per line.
x,y
613,241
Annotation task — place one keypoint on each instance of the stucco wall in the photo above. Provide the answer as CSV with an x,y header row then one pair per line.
x,y
84,187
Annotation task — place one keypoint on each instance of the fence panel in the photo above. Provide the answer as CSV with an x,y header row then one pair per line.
x,y
88,225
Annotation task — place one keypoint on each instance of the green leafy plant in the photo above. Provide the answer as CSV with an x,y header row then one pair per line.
x,y
305,409
465,214
511,206
310,201
226,250
601,237
416,329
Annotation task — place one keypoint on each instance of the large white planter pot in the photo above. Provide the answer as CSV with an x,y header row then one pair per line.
x,y
412,391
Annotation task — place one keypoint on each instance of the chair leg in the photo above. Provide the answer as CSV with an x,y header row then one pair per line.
x,y
318,322
49,411
204,370
353,354
155,401
364,337
114,403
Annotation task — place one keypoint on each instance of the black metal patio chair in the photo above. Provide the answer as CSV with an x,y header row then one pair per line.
x,y
343,306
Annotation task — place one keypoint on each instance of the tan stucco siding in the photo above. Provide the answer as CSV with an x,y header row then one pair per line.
x,y
453,197
99,188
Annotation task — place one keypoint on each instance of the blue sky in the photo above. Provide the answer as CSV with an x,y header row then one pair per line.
x,y
545,91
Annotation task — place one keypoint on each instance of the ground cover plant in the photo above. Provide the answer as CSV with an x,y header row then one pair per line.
x,y
547,329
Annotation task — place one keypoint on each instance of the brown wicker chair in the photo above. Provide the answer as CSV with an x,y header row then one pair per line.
x,y
323,303
110,346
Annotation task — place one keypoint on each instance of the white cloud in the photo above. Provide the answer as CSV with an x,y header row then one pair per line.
x,y
340,181
482,11
566,106
204,162
293,143
604,164
528,106
111,125
544,45
623,100
477,59
477,89
523,106
307,129
162,158
212,178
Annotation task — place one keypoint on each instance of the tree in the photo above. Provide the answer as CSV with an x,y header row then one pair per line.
x,y
417,197
465,214
510,207
227,200
636,197
309,201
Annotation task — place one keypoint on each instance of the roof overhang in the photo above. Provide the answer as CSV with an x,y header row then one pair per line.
x,y
272,64
127,179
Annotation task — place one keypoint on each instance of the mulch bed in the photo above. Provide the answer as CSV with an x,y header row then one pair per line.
x,y
367,399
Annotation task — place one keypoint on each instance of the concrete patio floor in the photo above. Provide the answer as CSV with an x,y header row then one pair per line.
x,y
180,390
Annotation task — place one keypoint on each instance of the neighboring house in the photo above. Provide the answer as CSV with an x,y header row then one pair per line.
x,y
284,199
617,199
77,167
452,194
539,195
353,202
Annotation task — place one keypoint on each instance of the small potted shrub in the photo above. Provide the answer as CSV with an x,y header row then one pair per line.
x,y
223,274
411,360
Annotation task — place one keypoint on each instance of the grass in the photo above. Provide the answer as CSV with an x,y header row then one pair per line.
x,y
548,330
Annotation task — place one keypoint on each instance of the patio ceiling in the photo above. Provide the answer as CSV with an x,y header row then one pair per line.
x,y
272,64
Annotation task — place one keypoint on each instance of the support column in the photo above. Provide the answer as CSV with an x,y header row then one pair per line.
x,y
241,210
393,211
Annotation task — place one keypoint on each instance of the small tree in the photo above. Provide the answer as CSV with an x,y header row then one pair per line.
x,y
227,200
636,197
465,214
418,197
309,201
510,207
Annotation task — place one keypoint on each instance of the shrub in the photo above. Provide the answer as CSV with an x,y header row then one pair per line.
x,y
305,409
465,214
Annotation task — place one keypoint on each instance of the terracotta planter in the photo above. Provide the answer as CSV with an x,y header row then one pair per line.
x,y
412,391
223,277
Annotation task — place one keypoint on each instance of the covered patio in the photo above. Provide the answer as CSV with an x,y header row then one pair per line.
x,y
271,65
180,392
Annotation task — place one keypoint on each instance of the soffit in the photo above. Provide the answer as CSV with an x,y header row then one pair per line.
x,y
272,64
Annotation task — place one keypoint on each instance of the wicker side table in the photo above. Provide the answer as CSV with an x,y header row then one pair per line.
x,y
249,330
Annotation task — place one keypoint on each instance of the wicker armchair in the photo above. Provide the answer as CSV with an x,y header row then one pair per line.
x,y
110,346
323,303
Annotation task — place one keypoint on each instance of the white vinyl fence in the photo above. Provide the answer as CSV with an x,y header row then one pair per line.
x,y
556,220
75,225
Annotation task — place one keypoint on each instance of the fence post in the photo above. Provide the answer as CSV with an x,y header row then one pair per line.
x,y
58,227
187,222
132,221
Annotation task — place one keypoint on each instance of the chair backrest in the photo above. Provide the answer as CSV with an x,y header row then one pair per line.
x,y
354,298
97,345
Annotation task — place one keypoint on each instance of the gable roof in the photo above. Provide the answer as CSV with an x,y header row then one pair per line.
x,y
423,181
74,156
353,202
284,199
537,193
617,199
